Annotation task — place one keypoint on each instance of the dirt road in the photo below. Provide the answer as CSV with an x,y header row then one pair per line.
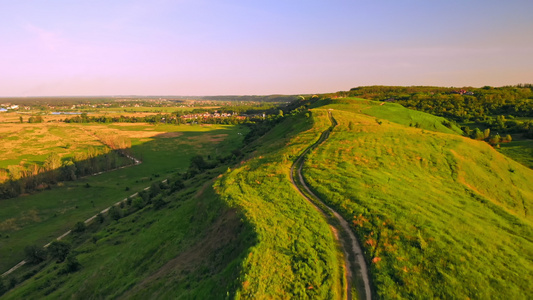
x,y
353,254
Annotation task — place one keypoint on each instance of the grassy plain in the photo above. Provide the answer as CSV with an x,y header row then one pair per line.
x,y
164,149
439,215
32,143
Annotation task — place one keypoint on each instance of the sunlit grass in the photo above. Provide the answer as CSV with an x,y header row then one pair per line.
x,y
439,215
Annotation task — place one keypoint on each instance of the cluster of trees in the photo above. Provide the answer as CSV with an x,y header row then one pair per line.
x,y
495,107
34,119
175,118
485,135
17,179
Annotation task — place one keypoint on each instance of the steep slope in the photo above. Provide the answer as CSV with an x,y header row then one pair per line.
x,y
296,256
440,215
190,247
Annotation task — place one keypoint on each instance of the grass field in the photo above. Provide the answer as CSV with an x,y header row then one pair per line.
x,y
440,215
519,149
32,143
164,149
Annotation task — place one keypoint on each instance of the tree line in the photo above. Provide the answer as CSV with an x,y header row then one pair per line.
x,y
20,179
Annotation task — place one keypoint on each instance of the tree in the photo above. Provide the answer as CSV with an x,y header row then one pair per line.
x,y
34,254
507,139
72,264
100,218
69,170
79,227
52,162
59,250
21,120
486,133
3,287
495,139
477,134
115,213
154,189
198,162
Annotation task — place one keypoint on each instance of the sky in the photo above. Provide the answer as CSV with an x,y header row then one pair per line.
x,y
243,47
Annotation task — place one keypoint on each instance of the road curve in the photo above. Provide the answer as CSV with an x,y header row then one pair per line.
x,y
353,254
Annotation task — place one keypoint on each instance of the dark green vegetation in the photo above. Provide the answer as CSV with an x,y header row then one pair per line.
x,y
439,215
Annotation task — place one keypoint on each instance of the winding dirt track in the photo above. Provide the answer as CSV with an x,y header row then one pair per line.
x,y
353,254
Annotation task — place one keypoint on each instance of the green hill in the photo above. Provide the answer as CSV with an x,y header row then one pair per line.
x,y
440,215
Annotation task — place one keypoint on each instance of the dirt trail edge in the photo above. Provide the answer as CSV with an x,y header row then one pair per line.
x,y
353,254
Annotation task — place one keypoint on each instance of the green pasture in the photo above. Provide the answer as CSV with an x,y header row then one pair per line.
x,y
439,215
519,149
39,218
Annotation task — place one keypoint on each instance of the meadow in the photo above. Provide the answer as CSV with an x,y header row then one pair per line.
x,y
164,149
439,215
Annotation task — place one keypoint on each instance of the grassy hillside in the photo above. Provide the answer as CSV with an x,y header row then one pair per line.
x,y
192,247
296,255
440,215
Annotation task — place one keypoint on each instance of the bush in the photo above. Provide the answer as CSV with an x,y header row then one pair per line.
x,y
100,218
115,213
159,203
79,227
59,250
3,287
72,264
35,254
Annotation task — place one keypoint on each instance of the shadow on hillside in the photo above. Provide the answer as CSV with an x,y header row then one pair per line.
x,y
31,180
226,241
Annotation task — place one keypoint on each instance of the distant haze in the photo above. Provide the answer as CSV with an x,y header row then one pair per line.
x,y
159,47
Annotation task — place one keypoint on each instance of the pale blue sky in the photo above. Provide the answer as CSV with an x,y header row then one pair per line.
x,y
158,47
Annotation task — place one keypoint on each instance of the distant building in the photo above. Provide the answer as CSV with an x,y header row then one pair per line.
x,y
2,109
